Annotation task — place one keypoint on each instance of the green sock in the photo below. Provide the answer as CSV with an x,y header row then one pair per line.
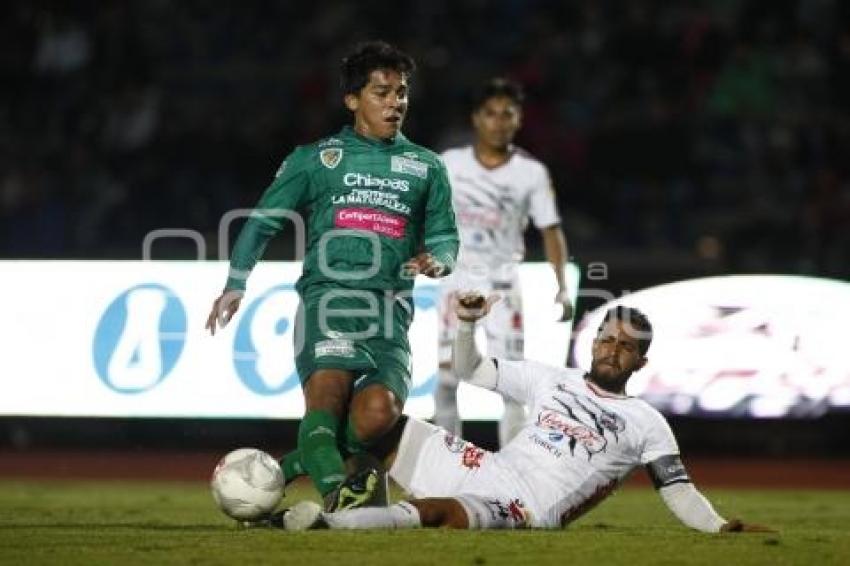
x,y
292,466
362,458
353,445
319,453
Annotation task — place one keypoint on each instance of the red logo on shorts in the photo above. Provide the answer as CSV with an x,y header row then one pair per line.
x,y
472,456
516,511
516,321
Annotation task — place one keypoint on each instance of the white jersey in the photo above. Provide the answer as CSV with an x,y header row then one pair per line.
x,y
579,443
492,206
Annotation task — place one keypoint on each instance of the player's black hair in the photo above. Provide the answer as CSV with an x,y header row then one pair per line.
x,y
497,86
636,320
368,56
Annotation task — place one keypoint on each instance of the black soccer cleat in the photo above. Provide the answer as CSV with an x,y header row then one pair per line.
x,y
358,490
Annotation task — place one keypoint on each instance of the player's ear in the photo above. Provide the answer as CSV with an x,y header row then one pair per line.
x,y
352,102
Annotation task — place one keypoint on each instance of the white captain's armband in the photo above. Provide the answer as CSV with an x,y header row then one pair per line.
x,y
667,470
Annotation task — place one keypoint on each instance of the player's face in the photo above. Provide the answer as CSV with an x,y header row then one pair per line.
x,y
380,106
616,355
497,121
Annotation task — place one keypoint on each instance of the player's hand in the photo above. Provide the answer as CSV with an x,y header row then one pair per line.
x,y
425,264
223,309
471,305
563,299
737,526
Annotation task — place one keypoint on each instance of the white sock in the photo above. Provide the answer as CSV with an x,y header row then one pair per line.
x,y
445,403
402,515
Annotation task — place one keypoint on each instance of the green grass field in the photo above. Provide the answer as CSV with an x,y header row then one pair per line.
x,y
166,523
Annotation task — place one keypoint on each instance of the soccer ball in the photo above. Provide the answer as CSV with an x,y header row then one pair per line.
x,y
247,484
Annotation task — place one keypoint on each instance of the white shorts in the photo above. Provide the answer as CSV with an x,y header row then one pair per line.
x,y
503,327
431,462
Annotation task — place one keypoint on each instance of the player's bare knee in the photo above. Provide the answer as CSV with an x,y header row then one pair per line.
x,y
374,411
456,517
328,389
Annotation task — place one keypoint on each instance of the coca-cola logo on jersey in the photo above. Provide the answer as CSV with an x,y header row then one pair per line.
x,y
481,218
553,420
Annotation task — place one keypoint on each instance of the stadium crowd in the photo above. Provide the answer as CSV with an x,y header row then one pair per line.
x,y
716,131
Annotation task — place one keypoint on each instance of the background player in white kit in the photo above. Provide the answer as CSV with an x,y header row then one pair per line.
x,y
496,187
584,437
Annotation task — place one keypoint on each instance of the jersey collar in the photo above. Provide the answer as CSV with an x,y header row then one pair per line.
x,y
396,140
599,392
512,151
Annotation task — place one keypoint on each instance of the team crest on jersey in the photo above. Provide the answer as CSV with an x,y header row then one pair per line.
x,y
408,166
331,157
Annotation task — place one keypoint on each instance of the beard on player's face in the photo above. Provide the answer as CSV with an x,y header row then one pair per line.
x,y
608,373
616,355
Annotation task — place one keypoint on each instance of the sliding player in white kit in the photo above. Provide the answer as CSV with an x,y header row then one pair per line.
x,y
584,437
496,188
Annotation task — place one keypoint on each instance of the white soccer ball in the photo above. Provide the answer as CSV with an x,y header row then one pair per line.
x,y
247,484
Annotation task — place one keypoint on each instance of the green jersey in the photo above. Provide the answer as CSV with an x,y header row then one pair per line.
x,y
368,207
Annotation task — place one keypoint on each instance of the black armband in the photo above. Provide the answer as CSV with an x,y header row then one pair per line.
x,y
667,470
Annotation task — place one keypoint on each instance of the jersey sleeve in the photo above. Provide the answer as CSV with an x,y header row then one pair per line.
x,y
660,440
520,380
441,237
286,193
542,207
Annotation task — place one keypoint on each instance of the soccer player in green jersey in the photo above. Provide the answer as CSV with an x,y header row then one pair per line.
x,y
378,211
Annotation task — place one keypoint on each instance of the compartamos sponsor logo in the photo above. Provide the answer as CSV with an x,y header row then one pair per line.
x,y
371,220
367,180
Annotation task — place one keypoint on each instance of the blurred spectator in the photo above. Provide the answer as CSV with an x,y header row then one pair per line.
x,y
63,46
698,131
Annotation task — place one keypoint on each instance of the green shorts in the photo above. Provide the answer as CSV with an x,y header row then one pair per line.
x,y
357,330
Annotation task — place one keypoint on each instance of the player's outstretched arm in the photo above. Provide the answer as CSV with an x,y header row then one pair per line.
x,y
470,306
669,476
467,362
